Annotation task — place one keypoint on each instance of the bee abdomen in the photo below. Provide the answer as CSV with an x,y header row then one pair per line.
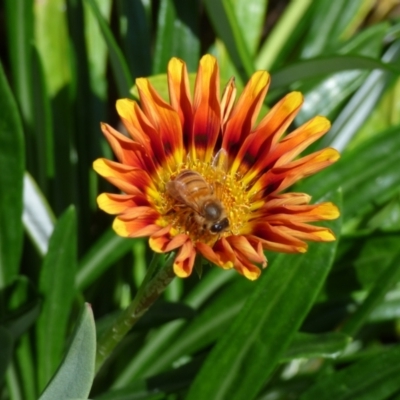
x,y
194,182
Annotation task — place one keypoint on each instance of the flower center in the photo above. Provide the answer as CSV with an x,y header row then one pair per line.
x,y
203,202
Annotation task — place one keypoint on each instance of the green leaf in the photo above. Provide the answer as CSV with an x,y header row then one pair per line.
x,y
389,310
315,67
328,96
177,34
136,36
119,66
38,218
162,312
11,181
250,16
20,52
151,355
74,376
6,346
352,117
283,32
216,319
103,254
83,103
157,386
53,46
386,280
97,50
326,345
40,140
51,38
328,25
375,250
29,89
211,323
266,324
226,26
56,284
372,378
23,306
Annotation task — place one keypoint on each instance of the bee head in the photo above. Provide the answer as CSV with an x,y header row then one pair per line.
x,y
220,226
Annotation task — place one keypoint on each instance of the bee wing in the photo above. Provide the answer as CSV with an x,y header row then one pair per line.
x,y
179,191
220,161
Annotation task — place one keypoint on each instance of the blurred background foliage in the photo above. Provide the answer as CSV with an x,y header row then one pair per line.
x,y
320,325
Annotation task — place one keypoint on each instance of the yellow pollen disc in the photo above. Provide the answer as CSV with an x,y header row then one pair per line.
x,y
228,189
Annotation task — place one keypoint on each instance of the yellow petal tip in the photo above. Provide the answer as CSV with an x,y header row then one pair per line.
x,y
120,228
180,272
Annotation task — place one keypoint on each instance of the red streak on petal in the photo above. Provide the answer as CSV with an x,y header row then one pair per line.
x,y
128,179
163,118
256,148
164,243
207,112
302,213
179,93
279,178
245,112
127,151
241,245
273,238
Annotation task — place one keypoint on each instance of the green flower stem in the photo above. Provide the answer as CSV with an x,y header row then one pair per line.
x,y
155,282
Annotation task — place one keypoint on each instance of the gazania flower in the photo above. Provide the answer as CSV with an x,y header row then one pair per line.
x,y
200,176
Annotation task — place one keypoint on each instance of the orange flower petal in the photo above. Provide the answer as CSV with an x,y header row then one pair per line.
x,y
280,117
259,143
279,178
126,110
303,213
164,243
179,93
135,228
163,118
242,246
272,238
118,203
228,100
292,145
287,199
140,212
217,255
141,130
247,269
128,179
308,232
184,261
127,151
206,109
245,112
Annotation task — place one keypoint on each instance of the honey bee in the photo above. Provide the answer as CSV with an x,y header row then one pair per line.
x,y
191,190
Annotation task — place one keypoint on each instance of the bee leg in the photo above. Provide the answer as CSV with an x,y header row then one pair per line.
x,y
174,208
